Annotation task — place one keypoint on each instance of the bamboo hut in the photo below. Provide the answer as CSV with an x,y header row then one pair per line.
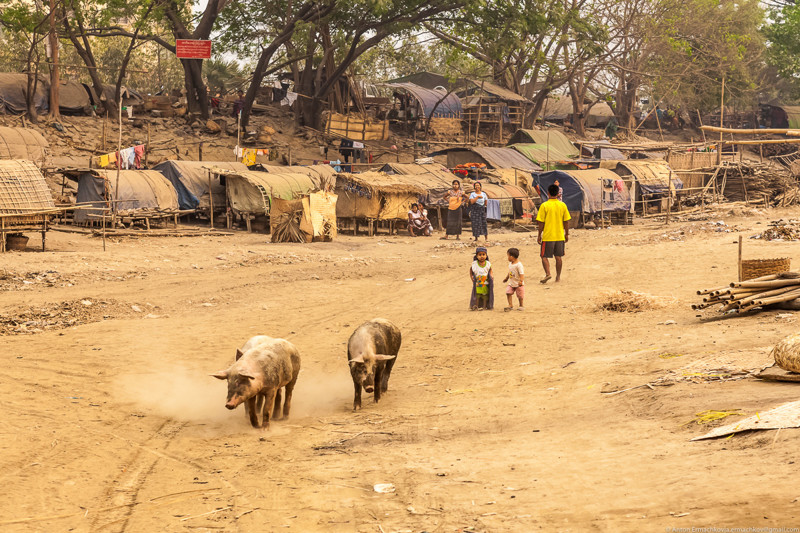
x,y
25,200
376,196
23,143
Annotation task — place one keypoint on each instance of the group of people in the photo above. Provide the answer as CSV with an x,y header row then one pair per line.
x,y
553,234
476,202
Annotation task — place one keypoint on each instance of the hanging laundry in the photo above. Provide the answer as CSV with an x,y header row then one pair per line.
x,y
104,160
249,157
138,152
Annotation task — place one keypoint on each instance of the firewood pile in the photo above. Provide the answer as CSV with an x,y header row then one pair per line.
x,y
752,182
745,296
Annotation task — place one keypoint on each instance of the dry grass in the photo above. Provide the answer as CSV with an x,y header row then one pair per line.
x,y
627,301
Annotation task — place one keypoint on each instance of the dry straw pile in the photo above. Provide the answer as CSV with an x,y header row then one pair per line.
x,y
627,301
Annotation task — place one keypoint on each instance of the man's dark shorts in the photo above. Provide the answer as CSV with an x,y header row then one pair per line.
x,y
552,248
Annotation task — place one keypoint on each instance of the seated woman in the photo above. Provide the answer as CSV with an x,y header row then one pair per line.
x,y
418,223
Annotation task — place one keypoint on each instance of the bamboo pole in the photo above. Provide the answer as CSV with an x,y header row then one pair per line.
x,y
735,131
739,263
721,120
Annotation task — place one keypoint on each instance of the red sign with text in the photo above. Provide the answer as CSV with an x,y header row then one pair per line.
x,y
192,49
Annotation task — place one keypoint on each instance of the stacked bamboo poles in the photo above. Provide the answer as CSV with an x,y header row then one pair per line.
x,y
744,296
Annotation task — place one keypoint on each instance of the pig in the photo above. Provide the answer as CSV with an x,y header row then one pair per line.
x,y
371,353
263,365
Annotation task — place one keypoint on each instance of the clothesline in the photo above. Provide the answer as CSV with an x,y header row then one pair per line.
x,y
126,158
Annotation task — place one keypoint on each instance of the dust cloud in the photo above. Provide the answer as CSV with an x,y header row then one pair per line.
x,y
193,396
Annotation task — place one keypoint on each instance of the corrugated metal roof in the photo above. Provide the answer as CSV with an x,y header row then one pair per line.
x,y
651,172
498,91
450,107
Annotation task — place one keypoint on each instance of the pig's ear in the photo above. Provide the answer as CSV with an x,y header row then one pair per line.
x,y
381,357
222,374
359,359
239,354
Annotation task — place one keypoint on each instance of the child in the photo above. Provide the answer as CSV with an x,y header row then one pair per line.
x,y
482,281
515,279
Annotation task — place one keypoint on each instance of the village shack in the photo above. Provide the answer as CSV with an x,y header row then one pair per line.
x,y
192,180
375,196
323,174
589,193
417,102
556,139
13,94
488,104
602,150
434,178
514,201
143,195
23,143
652,183
250,193
25,203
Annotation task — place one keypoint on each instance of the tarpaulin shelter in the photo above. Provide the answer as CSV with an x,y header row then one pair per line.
x,y
73,98
191,182
508,194
448,107
138,190
323,174
599,115
546,158
557,108
430,80
25,199
556,139
587,191
13,91
603,150
23,143
435,179
376,195
251,192
493,157
650,179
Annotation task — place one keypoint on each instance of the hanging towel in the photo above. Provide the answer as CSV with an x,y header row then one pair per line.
x,y
112,157
138,155
493,209
249,157
104,160
126,156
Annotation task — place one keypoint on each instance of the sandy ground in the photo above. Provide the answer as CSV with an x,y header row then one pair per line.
x,y
493,422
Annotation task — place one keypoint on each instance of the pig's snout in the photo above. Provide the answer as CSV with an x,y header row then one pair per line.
x,y
369,388
233,403
230,405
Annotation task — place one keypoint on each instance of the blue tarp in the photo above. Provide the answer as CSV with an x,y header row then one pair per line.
x,y
573,193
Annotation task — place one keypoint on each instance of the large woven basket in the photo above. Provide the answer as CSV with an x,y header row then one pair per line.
x,y
787,353
755,268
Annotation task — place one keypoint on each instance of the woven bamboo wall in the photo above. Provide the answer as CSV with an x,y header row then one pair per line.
x,y
356,128
23,189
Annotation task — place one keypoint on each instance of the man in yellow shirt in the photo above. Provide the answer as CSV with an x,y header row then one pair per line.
x,y
553,219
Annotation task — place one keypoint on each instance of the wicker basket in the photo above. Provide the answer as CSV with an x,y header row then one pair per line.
x,y
787,353
755,268
16,242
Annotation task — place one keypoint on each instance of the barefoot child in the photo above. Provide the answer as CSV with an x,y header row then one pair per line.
x,y
482,281
515,279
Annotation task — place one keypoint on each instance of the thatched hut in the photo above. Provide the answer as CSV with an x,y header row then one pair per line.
x,y
25,200
375,196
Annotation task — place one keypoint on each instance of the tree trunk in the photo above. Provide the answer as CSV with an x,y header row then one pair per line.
x,y
55,80
84,51
196,93
30,96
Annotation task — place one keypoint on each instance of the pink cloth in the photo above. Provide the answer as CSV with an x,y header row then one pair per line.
x,y
139,154
519,290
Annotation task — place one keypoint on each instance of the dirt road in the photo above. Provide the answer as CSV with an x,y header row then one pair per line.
x,y
493,421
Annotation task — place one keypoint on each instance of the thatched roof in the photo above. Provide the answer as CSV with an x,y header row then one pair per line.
x,y
431,176
23,189
384,183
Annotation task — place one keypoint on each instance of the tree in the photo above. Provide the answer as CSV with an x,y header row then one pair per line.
x,y
532,46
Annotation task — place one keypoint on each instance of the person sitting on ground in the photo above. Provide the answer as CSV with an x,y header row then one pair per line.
x,y
418,223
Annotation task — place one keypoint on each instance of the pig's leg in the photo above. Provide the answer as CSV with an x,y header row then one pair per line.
x,y
387,371
276,411
252,411
357,396
378,382
270,395
287,401
259,402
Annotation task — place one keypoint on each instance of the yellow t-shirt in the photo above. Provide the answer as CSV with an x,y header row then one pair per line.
x,y
553,213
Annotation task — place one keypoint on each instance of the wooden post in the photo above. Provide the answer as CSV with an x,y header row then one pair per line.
x,y
740,258
290,156
480,108
104,133
147,145
2,234
200,152
210,200
602,209
439,210
104,230
721,120
119,163
669,205
761,152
